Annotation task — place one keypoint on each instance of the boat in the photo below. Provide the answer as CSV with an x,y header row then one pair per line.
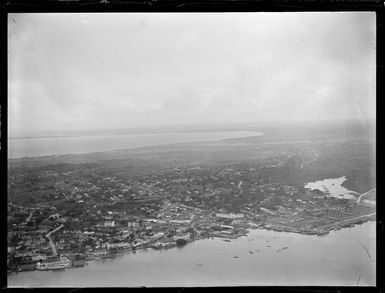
x,y
279,249
55,265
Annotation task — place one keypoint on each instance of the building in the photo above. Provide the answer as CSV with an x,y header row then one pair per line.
x,y
180,221
231,216
223,215
109,224
237,216
181,236
267,211
38,257
158,236
133,225
120,245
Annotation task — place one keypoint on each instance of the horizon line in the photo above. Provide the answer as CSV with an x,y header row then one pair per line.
x,y
183,127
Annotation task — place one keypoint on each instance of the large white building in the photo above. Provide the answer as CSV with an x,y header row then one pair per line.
x,y
231,216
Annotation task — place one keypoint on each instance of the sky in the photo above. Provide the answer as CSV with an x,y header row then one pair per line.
x,y
79,71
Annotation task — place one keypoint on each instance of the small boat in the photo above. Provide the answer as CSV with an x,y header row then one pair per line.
x,y
251,252
226,240
279,249
235,256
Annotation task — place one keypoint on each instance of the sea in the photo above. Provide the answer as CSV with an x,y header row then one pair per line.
x,y
262,258
57,145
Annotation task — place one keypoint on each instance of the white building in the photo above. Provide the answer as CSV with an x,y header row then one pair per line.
x,y
109,224
229,216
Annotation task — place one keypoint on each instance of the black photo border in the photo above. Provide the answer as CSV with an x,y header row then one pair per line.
x,y
198,6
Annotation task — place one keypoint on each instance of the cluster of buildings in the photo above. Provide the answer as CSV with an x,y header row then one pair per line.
x,y
103,215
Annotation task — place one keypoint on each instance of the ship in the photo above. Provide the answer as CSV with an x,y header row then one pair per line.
x,y
54,265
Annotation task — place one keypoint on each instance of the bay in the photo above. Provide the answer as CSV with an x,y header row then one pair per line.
x,y
45,146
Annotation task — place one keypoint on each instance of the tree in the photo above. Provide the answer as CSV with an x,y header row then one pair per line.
x,y
181,242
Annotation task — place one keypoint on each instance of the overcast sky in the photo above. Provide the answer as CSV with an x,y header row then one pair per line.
x,y
90,71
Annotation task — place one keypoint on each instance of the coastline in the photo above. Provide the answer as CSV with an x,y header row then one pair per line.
x,y
52,147
244,232
198,261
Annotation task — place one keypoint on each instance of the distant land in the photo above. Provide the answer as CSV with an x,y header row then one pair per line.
x,y
253,126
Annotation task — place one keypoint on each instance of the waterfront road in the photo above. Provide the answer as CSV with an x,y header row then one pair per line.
x,y
359,217
344,221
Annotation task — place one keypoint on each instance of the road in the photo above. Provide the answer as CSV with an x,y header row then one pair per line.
x,y
29,217
239,188
359,217
50,240
362,195
346,220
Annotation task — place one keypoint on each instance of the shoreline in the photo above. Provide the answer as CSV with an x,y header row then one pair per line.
x,y
244,232
245,134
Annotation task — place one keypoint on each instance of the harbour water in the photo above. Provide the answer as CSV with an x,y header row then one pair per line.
x,y
341,258
45,146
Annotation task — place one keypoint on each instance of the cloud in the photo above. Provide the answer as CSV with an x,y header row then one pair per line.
x,y
81,71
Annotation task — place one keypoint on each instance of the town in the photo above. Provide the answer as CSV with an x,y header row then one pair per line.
x,y
63,215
